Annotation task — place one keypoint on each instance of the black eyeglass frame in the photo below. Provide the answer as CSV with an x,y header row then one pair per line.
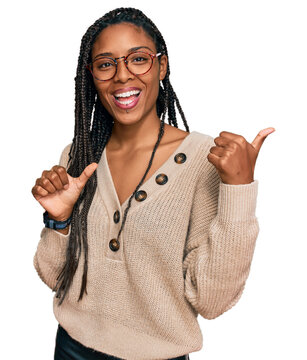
x,y
89,66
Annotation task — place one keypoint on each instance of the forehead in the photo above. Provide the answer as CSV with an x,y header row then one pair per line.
x,y
118,38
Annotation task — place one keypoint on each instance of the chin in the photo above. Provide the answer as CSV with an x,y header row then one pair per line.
x,y
127,119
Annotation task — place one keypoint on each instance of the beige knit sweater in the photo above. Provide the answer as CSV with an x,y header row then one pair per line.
x,y
186,249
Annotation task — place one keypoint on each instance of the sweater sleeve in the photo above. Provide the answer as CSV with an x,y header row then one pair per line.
x,y
221,240
51,249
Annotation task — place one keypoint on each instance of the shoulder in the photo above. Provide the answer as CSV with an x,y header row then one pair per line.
x,y
203,143
173,134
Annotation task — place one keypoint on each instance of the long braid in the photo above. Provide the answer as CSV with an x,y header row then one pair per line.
x,y
89,141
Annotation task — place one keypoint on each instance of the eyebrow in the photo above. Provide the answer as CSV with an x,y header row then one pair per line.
x,y
130,50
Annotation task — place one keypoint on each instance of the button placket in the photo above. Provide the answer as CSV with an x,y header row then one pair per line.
x,y
161,179
180,158
116,216
114,249
114,244
140,195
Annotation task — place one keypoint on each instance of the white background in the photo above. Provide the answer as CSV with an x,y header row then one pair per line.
x,y
250,74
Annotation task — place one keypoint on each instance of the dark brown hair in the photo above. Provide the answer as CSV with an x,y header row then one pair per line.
x,y
89,142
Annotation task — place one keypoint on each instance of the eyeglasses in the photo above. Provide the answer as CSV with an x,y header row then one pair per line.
x,y
138,63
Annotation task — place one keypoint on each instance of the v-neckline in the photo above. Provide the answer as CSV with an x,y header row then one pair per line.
x,y
170,158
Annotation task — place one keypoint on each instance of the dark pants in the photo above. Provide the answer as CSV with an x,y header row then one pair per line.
x,y
67,348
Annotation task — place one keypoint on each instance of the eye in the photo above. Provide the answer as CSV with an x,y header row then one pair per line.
x,y
139,58
104,65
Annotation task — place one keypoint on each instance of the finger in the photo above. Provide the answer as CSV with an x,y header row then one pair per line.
x,y
221,141
261,136
38,191
86,174
55,179
213,159
46,184
228,135
237,138
217,150
61,171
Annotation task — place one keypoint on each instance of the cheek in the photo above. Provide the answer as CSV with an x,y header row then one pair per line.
x,y
102,92
154,91
153,85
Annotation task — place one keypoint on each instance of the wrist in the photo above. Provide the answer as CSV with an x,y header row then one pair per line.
x,y
59,218
56,223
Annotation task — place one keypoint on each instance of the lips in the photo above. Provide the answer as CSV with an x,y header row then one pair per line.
x,y
126,98
123,90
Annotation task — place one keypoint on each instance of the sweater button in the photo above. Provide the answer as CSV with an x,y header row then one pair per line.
x,y
161,179
180,158
114,244
140,195
116,216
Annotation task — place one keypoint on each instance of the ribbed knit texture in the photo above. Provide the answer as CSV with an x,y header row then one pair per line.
x,y
185,250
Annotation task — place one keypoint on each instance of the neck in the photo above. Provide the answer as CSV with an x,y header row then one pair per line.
x,y
134,136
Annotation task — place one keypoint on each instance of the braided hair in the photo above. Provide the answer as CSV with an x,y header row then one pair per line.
x,y
89,142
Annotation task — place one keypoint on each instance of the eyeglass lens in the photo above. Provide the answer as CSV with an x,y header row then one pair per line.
x,y
104,68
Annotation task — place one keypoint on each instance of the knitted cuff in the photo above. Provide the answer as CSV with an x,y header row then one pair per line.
x,y
237,202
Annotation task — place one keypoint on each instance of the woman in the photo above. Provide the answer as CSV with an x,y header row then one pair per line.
x,y
133,266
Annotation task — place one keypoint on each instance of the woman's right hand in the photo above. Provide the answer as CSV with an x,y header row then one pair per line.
x,y
58,192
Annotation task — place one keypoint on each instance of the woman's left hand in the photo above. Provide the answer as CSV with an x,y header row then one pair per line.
x,y
235,158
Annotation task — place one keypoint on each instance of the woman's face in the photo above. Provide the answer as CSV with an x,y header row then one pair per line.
x,y
117,40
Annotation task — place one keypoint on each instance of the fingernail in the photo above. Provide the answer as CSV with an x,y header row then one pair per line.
x,y
66,186
267,131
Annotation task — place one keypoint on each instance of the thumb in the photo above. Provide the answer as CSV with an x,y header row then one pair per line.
x,y
259,139
86,174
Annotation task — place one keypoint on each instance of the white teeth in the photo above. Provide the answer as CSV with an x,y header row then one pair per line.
x,y
128,93
125,102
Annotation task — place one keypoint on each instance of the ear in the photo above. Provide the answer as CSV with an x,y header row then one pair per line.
x,y
163,66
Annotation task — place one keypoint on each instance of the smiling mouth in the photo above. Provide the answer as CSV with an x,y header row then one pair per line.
x,y
127,100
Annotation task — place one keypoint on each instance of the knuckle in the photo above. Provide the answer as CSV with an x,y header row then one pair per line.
x,y
233,144
40,190
53,176
36,189
61,170
223,162
241,139
44,181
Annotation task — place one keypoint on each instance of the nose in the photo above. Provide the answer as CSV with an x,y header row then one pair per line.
x,y
122,73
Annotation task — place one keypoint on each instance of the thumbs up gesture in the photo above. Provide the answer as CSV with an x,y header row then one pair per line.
x,y
235,158
58,192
